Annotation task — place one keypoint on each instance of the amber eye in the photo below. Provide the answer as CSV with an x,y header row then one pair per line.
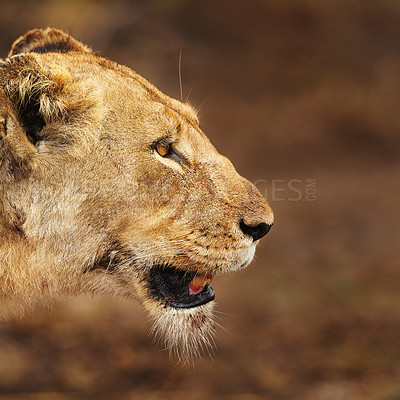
x,y
163,150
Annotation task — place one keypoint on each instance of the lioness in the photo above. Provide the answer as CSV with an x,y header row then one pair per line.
x,y
109,186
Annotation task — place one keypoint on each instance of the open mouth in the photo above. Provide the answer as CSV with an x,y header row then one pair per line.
x,y
180,289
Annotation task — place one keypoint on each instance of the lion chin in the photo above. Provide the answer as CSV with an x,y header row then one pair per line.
x,y
186,333
109,186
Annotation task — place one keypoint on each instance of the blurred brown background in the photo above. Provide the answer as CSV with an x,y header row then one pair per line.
x,y
303,97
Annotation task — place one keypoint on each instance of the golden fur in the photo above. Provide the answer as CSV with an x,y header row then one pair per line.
x,y
86,202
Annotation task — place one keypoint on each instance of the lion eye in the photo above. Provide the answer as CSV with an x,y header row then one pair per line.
x,y
164,150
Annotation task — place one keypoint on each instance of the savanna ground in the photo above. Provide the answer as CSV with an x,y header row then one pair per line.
x,y
303,96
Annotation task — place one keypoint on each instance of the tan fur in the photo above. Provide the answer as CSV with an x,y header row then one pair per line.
x,y
87,204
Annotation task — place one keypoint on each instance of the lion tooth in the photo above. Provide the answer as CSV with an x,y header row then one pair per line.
x,y
207,281
198,283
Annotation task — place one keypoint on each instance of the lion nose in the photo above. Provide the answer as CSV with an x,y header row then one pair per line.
x,y
255,231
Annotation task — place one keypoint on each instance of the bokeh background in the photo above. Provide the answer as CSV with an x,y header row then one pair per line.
x,y
303,97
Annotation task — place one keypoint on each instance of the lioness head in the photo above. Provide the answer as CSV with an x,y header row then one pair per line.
x,y
108,185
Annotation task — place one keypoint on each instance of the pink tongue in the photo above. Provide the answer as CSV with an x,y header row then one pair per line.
x,y
195,291
197,284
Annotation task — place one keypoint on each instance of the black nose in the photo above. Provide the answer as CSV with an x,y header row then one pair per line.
x,y
256,231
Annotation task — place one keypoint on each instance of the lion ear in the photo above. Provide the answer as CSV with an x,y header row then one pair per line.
x,y
16,148
30,98
38,97
45,41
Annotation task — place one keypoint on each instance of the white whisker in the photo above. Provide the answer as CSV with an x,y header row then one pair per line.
x,y
198,109
180,74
